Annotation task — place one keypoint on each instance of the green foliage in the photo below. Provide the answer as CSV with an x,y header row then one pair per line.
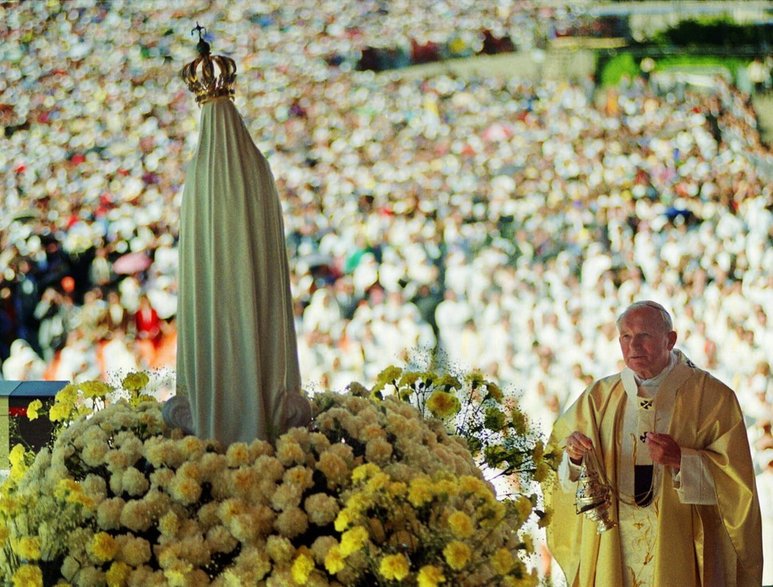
x,y
627,65
620,66
716,32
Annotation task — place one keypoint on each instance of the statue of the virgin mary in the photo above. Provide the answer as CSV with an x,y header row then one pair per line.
x,y
237,361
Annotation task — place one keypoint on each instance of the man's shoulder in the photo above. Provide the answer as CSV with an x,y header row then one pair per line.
x,y
708,382
704,374
604,384
607,380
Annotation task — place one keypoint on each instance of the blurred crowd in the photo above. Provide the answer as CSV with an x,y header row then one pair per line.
x,y
500,222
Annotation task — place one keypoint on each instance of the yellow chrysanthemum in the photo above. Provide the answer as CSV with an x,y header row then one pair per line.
x,y
364,472
27,548
408,379
394,567
343,519
478,487
545,519
64,487
461,525
33,408
68,394
457,554
420,491
443,487
502,561
443,404
494,419
353,540
334,560
118,574
494,391
103,547
28,576
94,389
430,576
387,377
302,568
397,489
135,382
523,506
60,411
18,457
169,524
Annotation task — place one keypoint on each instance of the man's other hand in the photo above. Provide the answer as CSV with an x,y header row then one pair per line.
x,y
664,450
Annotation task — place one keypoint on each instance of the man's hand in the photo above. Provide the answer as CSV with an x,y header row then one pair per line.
x,y
577,444
664,450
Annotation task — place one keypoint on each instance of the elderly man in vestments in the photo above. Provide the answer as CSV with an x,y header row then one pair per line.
x,y
670,441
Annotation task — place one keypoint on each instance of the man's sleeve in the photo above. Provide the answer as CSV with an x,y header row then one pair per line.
x,y
568,473
694,483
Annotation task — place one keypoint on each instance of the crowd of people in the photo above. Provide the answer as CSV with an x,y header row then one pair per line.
x,y
498,222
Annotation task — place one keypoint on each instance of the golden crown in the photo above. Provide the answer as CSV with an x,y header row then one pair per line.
x,y
209,76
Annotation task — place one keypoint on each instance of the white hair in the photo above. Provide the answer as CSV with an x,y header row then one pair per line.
x,y
668,324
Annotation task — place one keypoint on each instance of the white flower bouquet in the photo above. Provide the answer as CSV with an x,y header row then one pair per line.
x,y
372,493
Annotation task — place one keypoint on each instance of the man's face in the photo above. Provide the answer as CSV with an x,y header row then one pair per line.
x,y
645,343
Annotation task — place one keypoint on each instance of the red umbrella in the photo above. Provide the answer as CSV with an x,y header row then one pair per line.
x,y
131,263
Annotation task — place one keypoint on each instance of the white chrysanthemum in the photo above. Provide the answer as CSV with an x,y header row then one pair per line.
x,y
378,451
220,539
161,478
321,508
207,515
286,496
280,549
109,513
238,455
334,467
133,550
134,482
95,487
136,516
290,452
292,522
89,576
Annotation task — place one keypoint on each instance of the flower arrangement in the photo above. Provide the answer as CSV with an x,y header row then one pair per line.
x,y
375,492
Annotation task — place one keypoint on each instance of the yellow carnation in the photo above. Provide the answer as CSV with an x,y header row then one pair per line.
x,y
443,404
457,555
28,576
430,576
302,568
103,547
343,519
32,409
334,560
394,567
353,540
461,525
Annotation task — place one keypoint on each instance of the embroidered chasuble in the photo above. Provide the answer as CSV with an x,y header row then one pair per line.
x,y
698,527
